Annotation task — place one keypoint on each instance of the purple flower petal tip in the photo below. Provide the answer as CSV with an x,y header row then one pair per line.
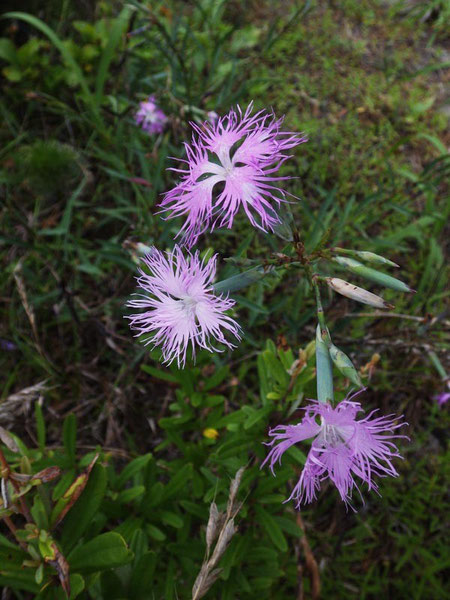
x,y
443,398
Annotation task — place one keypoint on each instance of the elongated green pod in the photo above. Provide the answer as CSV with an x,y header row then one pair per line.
x,y
369,257
356,293
381,278
344,365
324,370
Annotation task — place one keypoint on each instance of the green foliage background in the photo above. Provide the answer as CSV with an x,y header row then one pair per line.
x,y
80,185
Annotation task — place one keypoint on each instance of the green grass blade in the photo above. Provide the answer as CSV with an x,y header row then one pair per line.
x,y
120,25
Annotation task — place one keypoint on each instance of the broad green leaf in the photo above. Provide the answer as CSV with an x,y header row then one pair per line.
x,y
106,551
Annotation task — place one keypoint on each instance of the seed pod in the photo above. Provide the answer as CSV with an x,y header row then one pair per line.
x,y
356,293
370,257
324,371
344,365
381,278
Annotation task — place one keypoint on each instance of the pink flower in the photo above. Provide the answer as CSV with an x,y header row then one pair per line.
x,y
212,116
150,117
442,398
180,306
231,163
342,448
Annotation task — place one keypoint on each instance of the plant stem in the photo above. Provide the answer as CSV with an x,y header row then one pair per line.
x,y
5,471
320,313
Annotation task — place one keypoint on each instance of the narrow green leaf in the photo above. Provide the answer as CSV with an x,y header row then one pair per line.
x,y
142,577
81,514
115,35
275,369
257,416
164,375
178,481
172,519
272,528
155,532
242,280
131,494
132,469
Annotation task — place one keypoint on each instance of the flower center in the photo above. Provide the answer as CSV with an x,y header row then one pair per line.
x,y
189,305
333,436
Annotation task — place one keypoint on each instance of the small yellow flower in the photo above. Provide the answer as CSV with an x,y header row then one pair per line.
x,y
210,433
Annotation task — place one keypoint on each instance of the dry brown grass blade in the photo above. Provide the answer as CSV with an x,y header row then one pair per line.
x,y
24,298
214,524
8,440
19,402
234,486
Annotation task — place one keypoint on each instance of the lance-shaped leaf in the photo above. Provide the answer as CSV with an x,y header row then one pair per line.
x,y
71,495
53,556
369,257
240,261
344,365
284,228
242,280
381,278
324,370
356,293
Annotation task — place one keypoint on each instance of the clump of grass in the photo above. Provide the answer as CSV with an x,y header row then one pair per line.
x,y
48,166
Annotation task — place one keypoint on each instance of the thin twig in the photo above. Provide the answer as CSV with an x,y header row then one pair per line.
x,y
396,315
311,563
13,530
